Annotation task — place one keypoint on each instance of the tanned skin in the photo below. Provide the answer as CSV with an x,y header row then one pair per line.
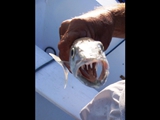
x,y
101,24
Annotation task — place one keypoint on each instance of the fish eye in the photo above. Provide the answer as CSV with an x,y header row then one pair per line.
x,y
101,46
72,52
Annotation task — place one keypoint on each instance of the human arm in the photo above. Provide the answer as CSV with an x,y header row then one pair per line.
x,y
100,24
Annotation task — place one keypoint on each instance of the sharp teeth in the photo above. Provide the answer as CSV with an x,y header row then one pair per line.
x,y
87,67
91,65
95,67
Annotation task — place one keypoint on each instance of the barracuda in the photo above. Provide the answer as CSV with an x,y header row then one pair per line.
x,y
87,62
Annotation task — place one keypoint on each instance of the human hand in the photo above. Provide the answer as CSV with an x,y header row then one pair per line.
x,y
97,28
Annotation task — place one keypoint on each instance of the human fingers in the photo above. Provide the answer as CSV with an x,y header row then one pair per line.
x,y
63,28
70,31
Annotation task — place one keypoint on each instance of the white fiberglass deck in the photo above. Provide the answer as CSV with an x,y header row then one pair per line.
x,y
50,84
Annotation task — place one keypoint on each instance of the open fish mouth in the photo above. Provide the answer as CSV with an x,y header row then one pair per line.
x,y
95,71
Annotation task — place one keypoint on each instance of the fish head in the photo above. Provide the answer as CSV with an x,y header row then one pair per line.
x,y
88,62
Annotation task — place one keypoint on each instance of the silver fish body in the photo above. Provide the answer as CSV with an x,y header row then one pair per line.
x,y
86,56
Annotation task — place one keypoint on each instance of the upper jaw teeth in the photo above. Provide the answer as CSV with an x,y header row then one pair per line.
x,y
90,65
87,66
